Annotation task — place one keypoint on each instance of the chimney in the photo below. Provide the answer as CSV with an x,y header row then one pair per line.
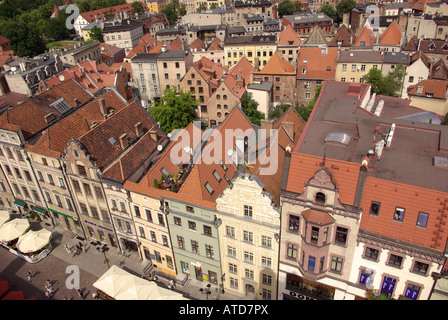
x,y
289,128
360,186
153,135
124,140
103,107
139,129
267,125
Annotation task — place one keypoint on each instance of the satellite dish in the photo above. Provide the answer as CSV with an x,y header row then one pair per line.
x,y
61,78
159,147
230,152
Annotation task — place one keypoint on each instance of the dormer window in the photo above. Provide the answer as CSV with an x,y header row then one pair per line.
x,y
320,198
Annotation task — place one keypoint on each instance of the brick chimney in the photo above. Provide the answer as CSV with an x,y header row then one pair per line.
x,y
138,129
103,108
124,140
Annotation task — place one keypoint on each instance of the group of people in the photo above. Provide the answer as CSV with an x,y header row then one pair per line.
x,y
49,291
77,250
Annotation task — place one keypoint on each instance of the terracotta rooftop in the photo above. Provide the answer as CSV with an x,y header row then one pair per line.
x,y
319,65
344,36
176,44
288,37
98,142
197,45
29,116
215,45
432,88
365,39
278,66
391,36
91,16
242,70
54,140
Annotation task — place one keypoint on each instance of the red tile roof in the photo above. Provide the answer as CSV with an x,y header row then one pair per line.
x,y
289,37
91,16
176,44
318,66
97,141
54,140
242,70
392,35
30,115
366,36
436,88
277,65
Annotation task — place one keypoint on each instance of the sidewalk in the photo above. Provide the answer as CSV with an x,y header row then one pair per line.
x,y
93,261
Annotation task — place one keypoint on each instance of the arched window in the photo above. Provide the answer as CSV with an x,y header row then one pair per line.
x,y
320,198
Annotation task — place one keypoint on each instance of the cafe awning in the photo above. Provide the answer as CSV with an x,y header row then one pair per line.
x,y
20,203
40,210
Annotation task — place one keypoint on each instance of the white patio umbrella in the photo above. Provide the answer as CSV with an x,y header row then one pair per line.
x,y
4,216
13,229
33,241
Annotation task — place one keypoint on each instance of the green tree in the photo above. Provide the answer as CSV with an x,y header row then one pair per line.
x,y
286,7
137,7
389,85
329,10
278,111
202,7
96,34
445,120
175,110
250,109
173,10
305,111
344,6
25,41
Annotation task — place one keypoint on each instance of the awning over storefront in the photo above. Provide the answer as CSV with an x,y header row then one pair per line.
x,y
20,203
63,214
40,210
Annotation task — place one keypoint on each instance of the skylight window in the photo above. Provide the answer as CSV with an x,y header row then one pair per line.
x,y
216,175
209,188
339,137
61,106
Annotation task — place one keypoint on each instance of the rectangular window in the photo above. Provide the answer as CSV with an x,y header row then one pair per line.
x,y
266,262
231,251
153,236
353,67
341,235
248,257
371,254
411,79
412,292
208,231
161,220
58,200
422,220
294,223
292,251
165,241
266,241
267,279
249,274
363,67
194,246
230,231
248,211
209,251
375,208
395,260
336,264
137,211
192,225
420,267
233,268
314,235
399,214
344,67
248,236
311,263
233,283
181,242
148,215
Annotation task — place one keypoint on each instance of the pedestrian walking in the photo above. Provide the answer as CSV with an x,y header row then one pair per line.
x,y
95,296
80,293
171,285
29,276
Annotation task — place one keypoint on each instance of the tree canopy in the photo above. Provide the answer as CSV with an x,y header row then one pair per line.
x,y
305,111
329,10
286,7
173,10
344,6
389,85
175,110
278,111
96,34
250,109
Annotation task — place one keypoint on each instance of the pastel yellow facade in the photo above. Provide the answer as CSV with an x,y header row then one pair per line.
x,y
152,233
354,71
438,106
153,7
248,239
233,54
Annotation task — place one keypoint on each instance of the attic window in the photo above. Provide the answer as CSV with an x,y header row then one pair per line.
x,y
209,188
61,106
320,198
216,175
432,46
